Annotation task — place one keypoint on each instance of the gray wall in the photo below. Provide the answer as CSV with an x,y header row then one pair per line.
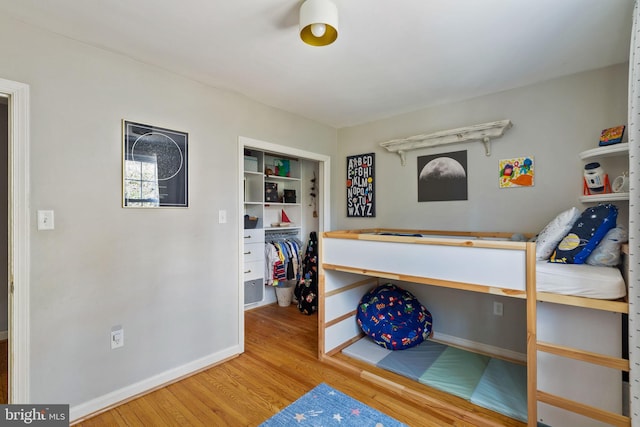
x,y
168,276
552,121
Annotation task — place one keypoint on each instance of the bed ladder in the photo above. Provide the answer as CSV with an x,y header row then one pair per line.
x,y
534,346
570,405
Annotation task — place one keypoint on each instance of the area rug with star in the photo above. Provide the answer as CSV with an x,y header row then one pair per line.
x,y
325,406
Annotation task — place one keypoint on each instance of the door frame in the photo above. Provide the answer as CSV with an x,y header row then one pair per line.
x,y
19,219
324,207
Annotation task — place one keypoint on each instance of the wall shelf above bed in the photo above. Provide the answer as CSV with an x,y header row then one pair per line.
x,y
607,197
615,156
483,132
606,151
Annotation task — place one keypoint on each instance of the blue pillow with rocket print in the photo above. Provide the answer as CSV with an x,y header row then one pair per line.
x,y
587,232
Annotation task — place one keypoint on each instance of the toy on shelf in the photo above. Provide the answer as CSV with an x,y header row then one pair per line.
x,y
611,136
285,219
595,180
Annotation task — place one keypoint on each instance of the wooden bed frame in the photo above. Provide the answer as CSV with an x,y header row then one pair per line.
x,y
350,259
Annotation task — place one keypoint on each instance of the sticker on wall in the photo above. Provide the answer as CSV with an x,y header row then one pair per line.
x,y
442,177
516,172
361,186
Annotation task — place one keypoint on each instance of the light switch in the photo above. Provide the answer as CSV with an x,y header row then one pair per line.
x,y
222,216
45,220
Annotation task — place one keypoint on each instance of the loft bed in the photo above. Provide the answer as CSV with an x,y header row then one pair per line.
x,y
354,261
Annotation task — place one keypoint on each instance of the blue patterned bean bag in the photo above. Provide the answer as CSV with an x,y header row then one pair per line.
x,y
393,317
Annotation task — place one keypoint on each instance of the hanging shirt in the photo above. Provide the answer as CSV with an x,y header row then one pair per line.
x,y
270,258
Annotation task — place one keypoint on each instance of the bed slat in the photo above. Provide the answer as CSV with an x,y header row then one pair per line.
x,y
587,410
585,356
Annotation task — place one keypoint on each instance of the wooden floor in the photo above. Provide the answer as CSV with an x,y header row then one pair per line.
x,y
279,365
4,372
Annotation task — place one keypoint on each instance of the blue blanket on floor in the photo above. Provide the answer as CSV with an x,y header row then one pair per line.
x,y
488,382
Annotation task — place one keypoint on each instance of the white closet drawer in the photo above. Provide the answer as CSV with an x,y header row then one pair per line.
x,y
253,252
253,235
253,270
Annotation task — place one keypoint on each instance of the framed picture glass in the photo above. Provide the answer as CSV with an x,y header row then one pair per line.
x,y
154,166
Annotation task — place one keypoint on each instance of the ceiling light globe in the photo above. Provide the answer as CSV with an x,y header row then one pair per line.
x,y
318,30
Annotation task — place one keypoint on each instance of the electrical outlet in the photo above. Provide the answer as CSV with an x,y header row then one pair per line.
x,y
497,308
117,337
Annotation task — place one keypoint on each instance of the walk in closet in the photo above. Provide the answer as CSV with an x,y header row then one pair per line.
x,y
282,198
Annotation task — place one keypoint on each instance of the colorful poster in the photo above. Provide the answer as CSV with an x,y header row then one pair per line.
x,y
516,172
361,185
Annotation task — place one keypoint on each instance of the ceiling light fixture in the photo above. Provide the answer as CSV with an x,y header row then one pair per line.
x,y
318,22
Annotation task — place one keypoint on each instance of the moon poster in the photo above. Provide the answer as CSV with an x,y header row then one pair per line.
x,y
442,177
516,172
360,186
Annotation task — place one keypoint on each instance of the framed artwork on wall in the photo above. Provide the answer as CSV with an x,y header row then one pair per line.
x,y
516,172
154,166
442,177
361,201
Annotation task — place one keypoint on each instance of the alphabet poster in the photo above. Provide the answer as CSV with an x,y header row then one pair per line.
x,y
361,186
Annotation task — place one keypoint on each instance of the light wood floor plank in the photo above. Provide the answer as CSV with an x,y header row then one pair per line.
x,y
279,365
4,371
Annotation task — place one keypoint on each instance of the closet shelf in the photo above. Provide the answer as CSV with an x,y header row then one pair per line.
x,y
279,178
267,229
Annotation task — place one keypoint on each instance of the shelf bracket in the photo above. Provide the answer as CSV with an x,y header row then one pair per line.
x,y
487,145
403,157
483,132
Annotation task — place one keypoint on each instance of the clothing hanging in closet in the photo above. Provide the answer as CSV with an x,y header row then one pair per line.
x,y
283,261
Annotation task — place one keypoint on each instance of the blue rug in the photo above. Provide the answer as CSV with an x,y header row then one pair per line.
x,y
325,406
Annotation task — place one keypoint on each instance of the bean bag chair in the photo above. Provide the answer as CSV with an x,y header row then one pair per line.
x,y
393,317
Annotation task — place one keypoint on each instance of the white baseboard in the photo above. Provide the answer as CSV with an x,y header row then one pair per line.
x,y
110,399
4,335
479,347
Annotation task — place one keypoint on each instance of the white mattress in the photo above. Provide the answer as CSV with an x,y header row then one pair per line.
x,y
581,280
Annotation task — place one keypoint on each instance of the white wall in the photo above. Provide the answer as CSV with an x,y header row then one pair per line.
x,y
552,121
168,276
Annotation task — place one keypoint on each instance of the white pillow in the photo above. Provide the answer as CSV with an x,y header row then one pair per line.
x,y
555,231
607,253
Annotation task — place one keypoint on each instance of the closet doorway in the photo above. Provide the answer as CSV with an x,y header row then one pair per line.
x,y
314,212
